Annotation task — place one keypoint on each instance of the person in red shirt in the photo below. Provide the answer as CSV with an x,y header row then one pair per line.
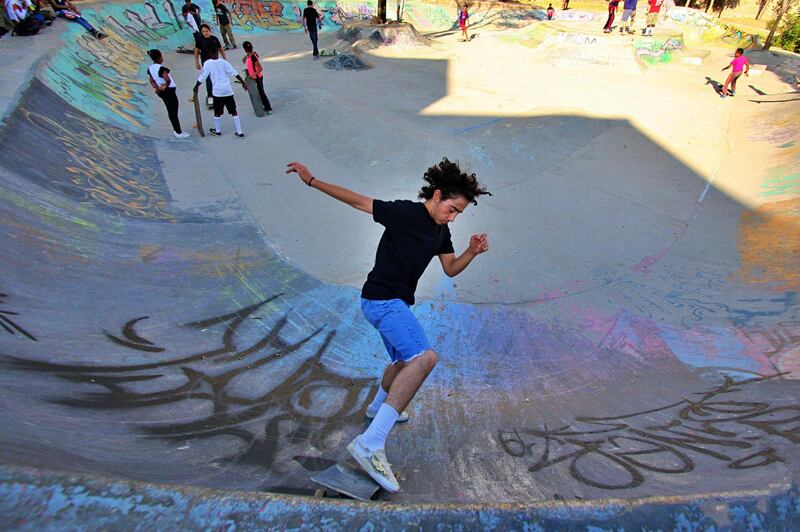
x,y
612,11
256,72
652,16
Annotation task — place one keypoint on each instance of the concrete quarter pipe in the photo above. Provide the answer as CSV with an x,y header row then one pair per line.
x,y
180,338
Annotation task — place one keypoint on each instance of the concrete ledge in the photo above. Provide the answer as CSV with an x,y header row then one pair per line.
x,y
38,499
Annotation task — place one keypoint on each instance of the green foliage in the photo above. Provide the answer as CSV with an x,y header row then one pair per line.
x,y
789,38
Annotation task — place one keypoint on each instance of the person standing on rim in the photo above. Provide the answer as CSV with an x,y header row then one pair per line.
x,y
311,22
414,233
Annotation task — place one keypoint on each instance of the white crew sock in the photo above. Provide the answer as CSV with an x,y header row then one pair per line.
x,y
237,124
218,124
374,437
378,400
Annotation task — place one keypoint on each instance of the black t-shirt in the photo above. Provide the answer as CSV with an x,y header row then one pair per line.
x,y
311,15
222,14
408,244
206,45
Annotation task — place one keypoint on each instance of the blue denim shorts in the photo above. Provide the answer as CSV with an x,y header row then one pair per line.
x,y
399,329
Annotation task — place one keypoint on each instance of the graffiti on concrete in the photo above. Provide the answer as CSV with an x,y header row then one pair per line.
x,y
8,324
94,163
657,51
236,380
618,452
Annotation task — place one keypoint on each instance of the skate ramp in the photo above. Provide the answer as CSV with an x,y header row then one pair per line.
x,y
626,356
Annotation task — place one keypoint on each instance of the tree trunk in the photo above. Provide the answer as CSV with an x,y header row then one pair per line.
x,y
761,5
382,10
708,4
781,11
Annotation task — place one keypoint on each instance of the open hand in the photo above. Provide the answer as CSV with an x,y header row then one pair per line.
x,y
303,172
479,243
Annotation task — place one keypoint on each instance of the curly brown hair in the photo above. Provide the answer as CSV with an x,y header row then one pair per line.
x,y
448,177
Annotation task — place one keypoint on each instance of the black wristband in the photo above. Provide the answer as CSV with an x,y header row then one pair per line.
x,y
310,180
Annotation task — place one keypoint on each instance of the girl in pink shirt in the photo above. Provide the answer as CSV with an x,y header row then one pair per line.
x,y
256,72
740,64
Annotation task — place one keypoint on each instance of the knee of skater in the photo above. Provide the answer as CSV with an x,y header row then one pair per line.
x,y
430,358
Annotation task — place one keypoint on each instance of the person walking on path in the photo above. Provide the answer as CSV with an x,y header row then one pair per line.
x,y
414,233
164,85
550,12
65,9
312,22
740,64
206,44
652,17
463,21
220,72
612,12
256,72
628,14
224,22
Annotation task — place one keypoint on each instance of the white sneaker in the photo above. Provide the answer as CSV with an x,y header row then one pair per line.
x,y
181,135
402,418
375,464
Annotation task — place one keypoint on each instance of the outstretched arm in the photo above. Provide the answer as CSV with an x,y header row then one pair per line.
x,y
355,200
453,265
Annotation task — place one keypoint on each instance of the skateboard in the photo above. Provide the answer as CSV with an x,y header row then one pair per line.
x,y
184,50
347,481
326,53
197,115
255,98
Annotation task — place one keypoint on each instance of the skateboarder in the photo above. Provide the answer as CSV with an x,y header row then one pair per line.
x,y
652,16
312,22
414,233
740,64
463,17
628,14
220,72
206,43
224,22
256,72
165,88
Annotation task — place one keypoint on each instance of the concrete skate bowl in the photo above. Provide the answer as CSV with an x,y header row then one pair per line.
x,y
626,356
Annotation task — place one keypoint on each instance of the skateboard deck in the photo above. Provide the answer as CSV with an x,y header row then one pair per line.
x,y
198,116
347,481
255,98
328,53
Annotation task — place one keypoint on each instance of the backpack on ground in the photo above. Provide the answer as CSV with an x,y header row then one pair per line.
x,y
29,26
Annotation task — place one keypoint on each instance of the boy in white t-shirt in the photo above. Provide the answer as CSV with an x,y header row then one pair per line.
x,y
220,72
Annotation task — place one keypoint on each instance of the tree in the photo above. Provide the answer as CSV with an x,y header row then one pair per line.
x,y
721,5
382,11
779,12
761,5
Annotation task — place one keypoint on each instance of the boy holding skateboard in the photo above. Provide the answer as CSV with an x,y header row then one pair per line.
x,y
414,233
220,72
256,72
